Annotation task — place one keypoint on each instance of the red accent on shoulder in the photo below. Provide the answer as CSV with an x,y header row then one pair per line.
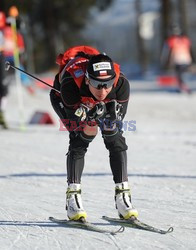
x,y
77,70
68,62
117,71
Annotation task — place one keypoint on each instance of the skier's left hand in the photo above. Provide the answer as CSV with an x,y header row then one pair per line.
x,y
114,111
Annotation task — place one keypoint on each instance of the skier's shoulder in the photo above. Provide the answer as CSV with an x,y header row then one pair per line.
x,y
122,88
123,81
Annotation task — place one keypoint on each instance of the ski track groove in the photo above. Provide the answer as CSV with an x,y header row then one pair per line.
x,y
20,234
105,241
3,228
113,239
45,235
79,246
180,243
58,243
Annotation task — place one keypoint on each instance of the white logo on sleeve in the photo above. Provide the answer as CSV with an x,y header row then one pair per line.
x,y
101,66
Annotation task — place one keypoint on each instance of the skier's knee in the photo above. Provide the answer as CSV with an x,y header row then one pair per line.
x,y
90,130
87,138
114,141
80,140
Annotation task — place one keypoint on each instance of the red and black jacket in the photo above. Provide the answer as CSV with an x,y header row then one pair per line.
x,y
74,91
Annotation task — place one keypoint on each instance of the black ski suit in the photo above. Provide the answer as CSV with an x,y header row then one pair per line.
x,y
65,105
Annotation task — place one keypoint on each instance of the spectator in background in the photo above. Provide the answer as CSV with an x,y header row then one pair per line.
x,y
9,47
11,41
8,43
177,52
3,87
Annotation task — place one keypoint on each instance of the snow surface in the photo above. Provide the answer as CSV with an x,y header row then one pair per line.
x,y
162,175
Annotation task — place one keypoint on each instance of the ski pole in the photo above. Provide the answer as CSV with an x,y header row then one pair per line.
x,y
8,65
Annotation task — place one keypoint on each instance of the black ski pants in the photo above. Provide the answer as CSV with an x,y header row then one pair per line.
x,y
79,142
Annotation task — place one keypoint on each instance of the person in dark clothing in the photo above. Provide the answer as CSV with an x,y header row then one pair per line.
x,y
93,94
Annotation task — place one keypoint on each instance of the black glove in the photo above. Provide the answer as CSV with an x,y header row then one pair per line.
x,y
97,112
114,111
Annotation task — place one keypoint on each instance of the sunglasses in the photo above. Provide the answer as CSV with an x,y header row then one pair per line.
x,y
99,84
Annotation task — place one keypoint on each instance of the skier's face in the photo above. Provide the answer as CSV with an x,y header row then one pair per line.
x,y
101,93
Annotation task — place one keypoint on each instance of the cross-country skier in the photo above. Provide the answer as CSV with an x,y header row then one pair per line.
x,y
93,94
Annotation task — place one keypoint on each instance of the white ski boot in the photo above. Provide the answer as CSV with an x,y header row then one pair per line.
x,y
74,207
123,201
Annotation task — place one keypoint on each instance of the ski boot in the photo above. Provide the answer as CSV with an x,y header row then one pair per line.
x,y
123,201
74,207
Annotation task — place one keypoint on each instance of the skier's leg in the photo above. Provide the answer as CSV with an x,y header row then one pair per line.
x,y
79,143
115,143
179,77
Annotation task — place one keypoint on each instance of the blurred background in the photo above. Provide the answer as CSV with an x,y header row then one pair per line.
x,y
132,32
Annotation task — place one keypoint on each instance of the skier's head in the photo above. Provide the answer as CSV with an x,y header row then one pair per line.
x,y
13,11
100,75
100,71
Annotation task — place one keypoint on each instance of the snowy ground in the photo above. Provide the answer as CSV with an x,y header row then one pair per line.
x,y
162,174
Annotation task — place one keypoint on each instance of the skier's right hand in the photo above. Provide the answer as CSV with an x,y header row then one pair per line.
x,y
97,112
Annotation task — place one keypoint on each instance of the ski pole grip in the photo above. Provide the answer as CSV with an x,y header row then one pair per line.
x,y
7,66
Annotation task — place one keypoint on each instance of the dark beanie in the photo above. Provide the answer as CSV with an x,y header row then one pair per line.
x,y
100,65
